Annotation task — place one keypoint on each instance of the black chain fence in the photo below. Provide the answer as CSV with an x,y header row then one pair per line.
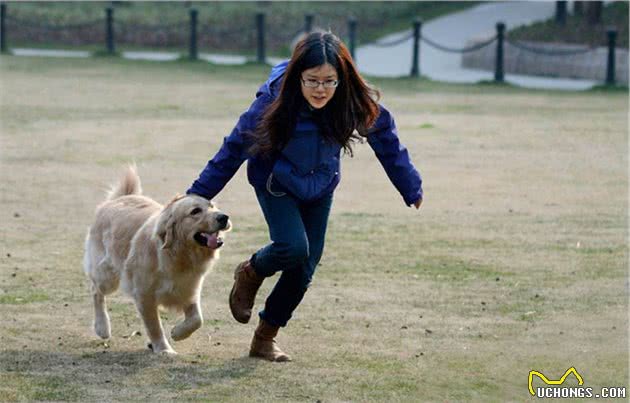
x,y
472,48
393,42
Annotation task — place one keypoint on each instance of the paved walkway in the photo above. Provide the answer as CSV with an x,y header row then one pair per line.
x,y
158,56
453,30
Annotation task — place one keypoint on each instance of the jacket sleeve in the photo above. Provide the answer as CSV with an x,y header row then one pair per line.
x,y
222,167
394,157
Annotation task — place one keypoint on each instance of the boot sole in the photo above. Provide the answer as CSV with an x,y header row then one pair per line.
x,y
236,317
285,358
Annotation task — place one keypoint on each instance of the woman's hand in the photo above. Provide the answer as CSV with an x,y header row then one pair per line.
x,y
418,203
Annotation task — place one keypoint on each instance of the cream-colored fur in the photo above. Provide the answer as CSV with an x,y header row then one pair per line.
x,y
155,254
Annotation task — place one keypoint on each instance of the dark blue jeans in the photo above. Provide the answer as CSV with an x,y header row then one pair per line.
x,y
297,231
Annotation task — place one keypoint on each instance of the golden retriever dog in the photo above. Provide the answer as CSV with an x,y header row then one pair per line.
x,y
158,255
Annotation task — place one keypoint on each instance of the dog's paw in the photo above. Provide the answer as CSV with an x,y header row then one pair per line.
x,y
185,329
102,329
167,350
180,332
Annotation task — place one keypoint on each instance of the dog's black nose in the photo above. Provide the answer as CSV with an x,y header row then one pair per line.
x,y
223,220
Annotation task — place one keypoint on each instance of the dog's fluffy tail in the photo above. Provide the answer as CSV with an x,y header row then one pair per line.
x,y
129,184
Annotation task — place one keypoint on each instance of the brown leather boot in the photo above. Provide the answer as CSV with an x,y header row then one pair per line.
x,y
243,294
264,345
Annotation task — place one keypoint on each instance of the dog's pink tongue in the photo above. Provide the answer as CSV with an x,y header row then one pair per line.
x,y
212,241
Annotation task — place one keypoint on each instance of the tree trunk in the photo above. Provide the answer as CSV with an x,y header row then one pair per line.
x,y
561,12
594,12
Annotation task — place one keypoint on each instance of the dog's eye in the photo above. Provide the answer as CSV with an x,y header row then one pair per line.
x,y
196,211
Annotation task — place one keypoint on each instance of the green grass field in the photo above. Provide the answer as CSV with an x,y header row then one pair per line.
x,y
517,260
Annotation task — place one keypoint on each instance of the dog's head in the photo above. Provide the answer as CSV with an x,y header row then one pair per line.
x,y
191,221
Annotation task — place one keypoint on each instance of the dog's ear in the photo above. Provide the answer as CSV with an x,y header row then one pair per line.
x,y
164,230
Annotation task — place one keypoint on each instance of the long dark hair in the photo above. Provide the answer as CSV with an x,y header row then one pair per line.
x,y
352,108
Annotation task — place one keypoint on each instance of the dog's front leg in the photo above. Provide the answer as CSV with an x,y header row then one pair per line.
x,y
192,321
148,310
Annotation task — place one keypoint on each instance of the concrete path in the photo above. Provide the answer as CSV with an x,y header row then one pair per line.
x,y
50,53
453,31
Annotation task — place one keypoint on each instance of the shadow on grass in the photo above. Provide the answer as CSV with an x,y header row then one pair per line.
x,y
51,375
204,374
60,376
40,361
126,362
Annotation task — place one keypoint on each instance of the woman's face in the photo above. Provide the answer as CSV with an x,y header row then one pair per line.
x,y
319,85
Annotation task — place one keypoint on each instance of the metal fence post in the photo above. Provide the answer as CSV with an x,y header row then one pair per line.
x,y
308,23
260,28
610,68
3,28
415,63
109,29
352,36
498,69
193,35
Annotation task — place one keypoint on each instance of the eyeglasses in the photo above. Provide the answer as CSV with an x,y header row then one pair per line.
x,y
315,83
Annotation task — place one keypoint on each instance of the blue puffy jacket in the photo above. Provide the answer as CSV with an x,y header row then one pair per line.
x,y
305,173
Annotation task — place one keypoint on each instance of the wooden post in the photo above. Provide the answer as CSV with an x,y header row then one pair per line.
x,y
109,29
193,35
352,36
498,69
3,28
415,61
260,27
308,23
610,68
